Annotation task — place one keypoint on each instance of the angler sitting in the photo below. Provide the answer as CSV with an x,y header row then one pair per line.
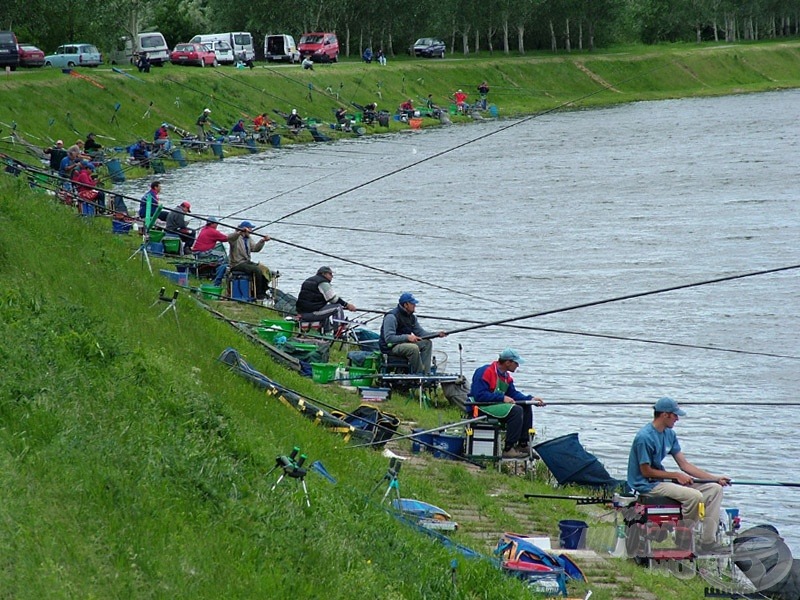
x,y
342,119
208,248
493,384
176,225
402,335
241,250
367,56
85,185
407,108
647,475
161,138
140,154
317,301
295,122
143,63
238,130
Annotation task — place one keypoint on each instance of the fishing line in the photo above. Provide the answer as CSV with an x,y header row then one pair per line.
x,y
617,337
358,229
299,187
673,288
211,96
468,142
301,83
253,87
387,272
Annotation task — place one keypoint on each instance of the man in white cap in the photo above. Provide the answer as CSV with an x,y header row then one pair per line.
x,y
402,335
202,121
241,249
57,153
647,475
294,121
493,384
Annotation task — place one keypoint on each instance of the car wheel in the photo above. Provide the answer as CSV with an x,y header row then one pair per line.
x,y
442,54
202,64
70,64
47,63
215,63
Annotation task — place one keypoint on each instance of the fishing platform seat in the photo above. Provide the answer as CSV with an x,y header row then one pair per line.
x,y
241,286
483,437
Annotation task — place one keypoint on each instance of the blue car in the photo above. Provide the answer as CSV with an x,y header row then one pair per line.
x,y
428,48
74,55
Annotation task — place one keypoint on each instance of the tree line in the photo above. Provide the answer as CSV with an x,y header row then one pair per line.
x,y
467,26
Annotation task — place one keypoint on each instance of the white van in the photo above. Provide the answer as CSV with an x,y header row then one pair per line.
x,y
281,47
152,42
240,41
223,51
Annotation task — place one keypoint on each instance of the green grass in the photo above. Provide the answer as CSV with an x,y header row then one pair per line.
x,y
134,465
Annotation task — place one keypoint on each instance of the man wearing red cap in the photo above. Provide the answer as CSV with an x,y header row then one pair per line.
x,y
176,225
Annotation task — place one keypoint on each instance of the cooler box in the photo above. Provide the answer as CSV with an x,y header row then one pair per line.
x,y
483,440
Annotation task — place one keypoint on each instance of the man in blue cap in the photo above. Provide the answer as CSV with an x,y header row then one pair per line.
x,y
240,260
402,335
493,384
647,475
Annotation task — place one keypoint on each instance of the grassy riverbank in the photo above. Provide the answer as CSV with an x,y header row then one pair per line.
x,y
46,104
134,465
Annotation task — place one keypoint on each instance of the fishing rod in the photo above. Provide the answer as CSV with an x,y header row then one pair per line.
x,y
387,272
251,86
616,337
468,142
308,86
361,230
212,96
757,483
683,403
275,197
673,288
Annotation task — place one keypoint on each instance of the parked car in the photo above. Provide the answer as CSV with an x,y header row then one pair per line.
x,y
9,52
193,54
223,52
153,43
30,56
240,41
74,55
428,48
320,47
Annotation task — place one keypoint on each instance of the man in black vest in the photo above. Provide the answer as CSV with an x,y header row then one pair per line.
x,y
317,301
402,335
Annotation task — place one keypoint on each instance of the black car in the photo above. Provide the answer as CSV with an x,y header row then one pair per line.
x,y
9,53
429,48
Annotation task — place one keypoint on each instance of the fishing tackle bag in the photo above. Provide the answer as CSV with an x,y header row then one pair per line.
x,y
368,418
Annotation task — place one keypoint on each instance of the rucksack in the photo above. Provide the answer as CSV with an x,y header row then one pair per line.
x,y
368,418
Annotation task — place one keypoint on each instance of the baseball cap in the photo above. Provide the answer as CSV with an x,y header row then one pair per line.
x,y
668,405
187,206
60,142
214,220
246,224
511,354
407,297
206,110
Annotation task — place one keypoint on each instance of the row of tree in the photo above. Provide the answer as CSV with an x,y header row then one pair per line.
x,y
468,26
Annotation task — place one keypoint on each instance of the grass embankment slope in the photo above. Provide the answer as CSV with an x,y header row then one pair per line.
x,y
48,104
133,465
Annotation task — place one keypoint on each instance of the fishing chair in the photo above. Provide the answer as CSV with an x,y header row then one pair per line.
x,y
241,286
483,438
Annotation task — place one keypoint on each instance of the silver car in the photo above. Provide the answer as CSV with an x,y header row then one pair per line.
x,y
74,55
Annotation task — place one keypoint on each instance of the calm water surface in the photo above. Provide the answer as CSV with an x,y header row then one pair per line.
x,y
566,209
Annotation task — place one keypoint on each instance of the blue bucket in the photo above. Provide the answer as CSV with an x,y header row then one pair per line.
x,y
572,534
177,156
216,148
275,140
121,227
115,171
447,445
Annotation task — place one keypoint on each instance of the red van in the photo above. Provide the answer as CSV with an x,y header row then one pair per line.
x,y
321,47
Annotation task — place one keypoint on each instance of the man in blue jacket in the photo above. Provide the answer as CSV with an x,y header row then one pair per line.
x,y
402,335
493,384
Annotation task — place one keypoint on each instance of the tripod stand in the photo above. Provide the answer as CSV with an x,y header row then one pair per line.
x,y
173,303
142,249
292,467
391,477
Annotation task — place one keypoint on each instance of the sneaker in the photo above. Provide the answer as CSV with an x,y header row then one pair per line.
x,y
514,453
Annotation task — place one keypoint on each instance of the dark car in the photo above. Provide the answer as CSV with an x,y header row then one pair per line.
x,y
428,48
30,56
9,53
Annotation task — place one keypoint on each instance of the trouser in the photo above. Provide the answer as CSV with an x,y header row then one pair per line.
x,y
262,274
519,423
690,497
325,316
418,354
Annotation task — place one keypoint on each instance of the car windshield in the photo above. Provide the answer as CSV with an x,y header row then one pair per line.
x,y
30,48
311,39
184,48
151,41
223,46
424,42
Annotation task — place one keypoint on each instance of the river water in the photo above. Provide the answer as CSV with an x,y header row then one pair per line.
x,y
561,210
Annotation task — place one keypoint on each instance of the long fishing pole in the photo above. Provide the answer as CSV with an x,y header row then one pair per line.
x,y
362,230
683,403
613,337
387,272
673,288
468,142
758,483
261,90
415,434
